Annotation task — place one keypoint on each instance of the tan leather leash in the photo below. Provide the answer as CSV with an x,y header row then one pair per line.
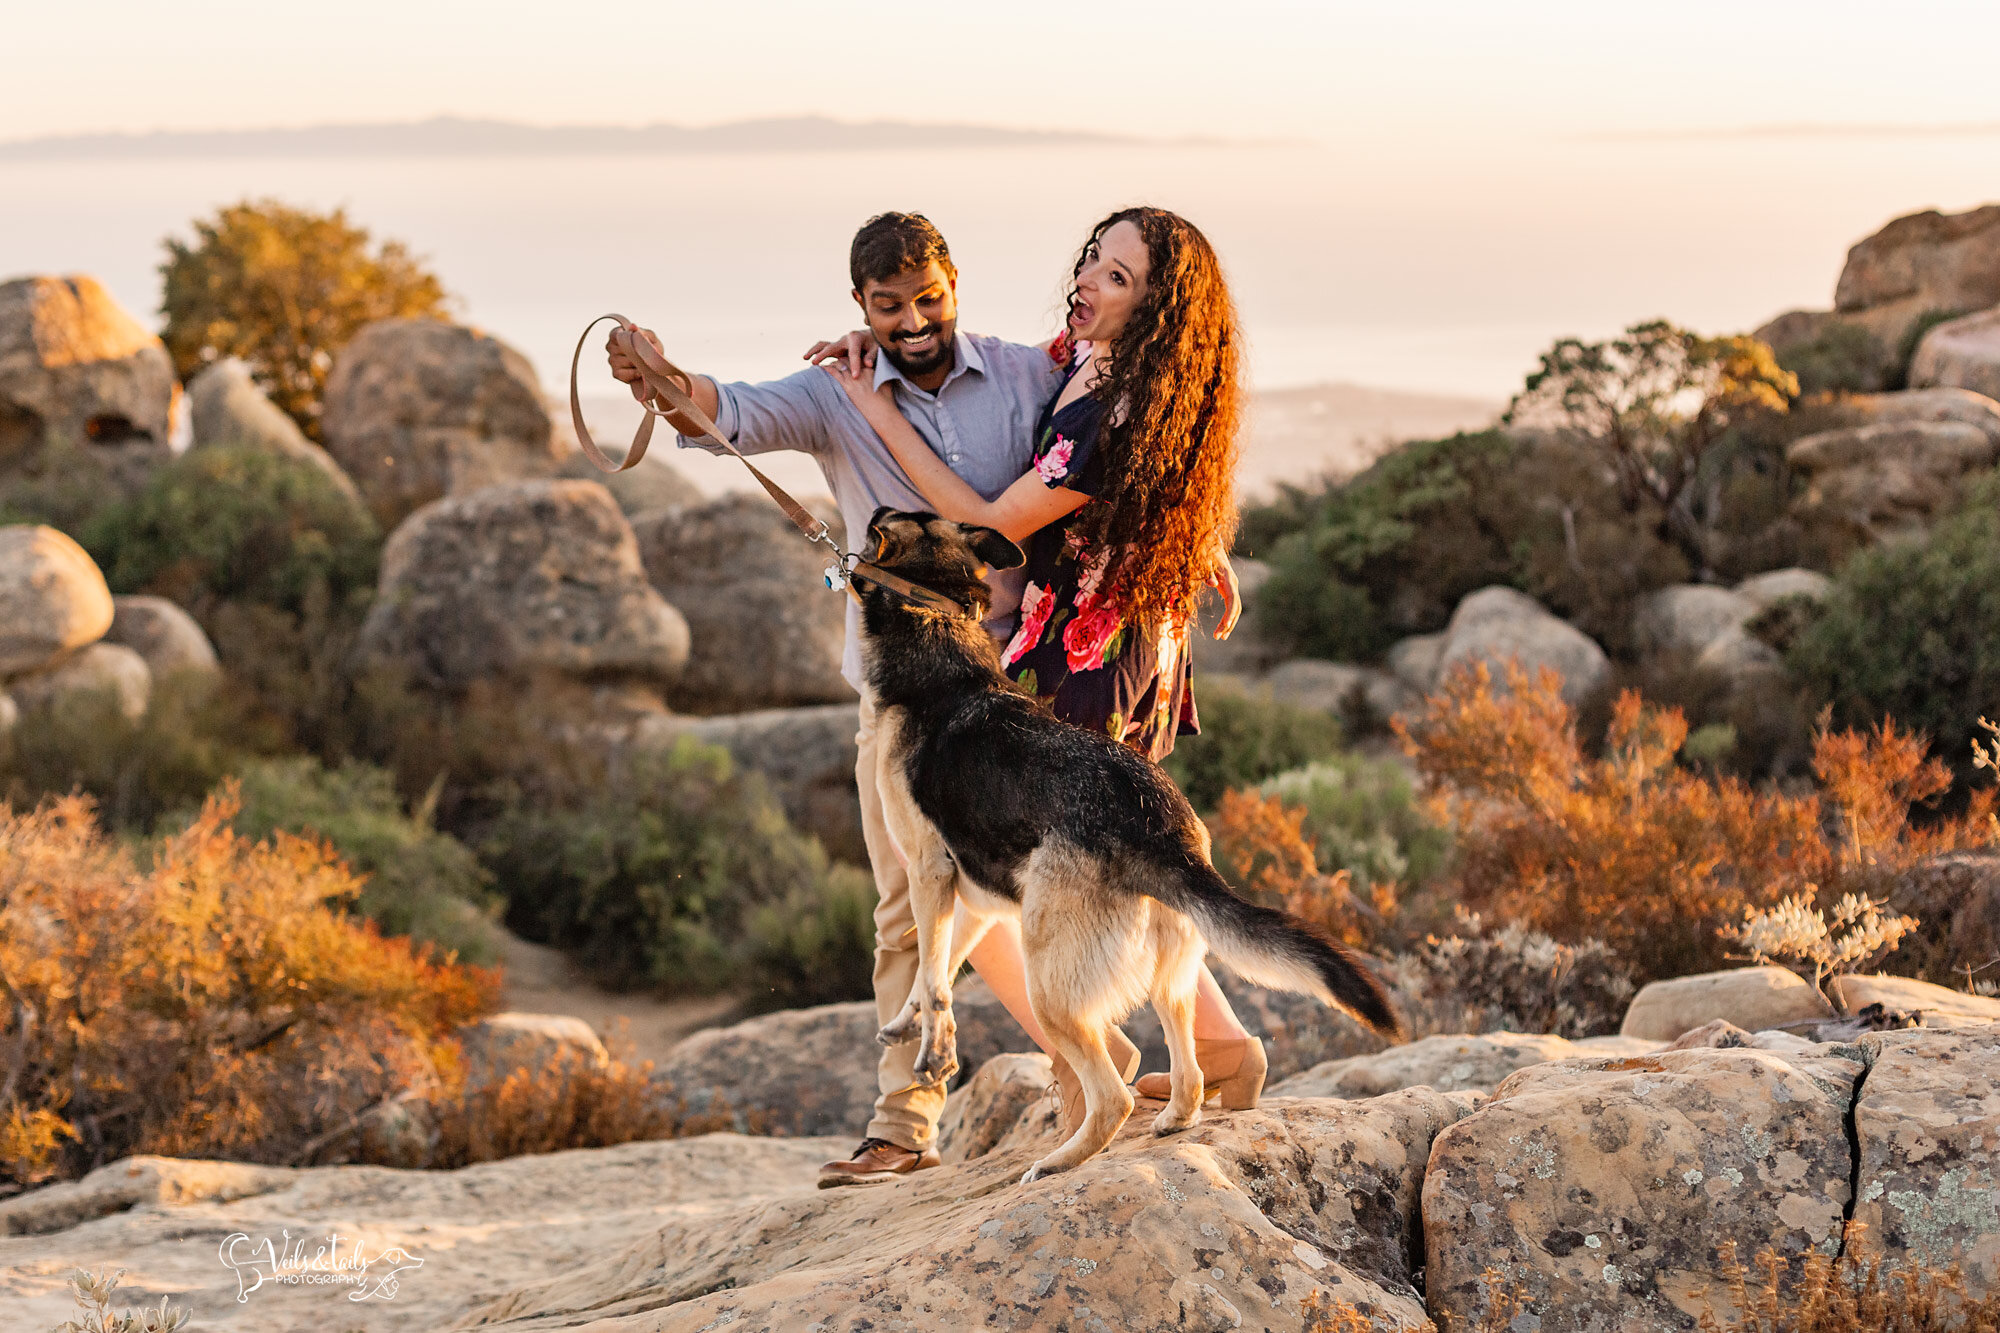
x,y
666,383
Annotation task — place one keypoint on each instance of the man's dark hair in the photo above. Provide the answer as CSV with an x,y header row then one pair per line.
x,y
892,243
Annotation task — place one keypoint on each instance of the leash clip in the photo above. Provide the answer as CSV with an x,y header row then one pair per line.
x,y
839,568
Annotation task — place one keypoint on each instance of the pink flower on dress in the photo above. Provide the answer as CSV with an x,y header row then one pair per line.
x,y
1037,605
1053,466
1087,638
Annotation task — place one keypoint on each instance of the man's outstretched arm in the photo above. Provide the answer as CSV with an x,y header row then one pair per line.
x,y
756,418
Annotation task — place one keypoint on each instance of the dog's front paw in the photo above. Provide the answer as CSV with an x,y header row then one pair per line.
x,y
901,1028
1040,1171
1166,1122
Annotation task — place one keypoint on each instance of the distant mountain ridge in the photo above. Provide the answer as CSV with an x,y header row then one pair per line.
x,y
457,136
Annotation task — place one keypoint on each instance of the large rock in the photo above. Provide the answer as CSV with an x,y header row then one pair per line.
x,y
229,410
812,1071
1769,588
1906,995
806,754
1927,1125
1448,1064
166,636
1603,1190
1956,899
978,1115
1334,687
53,598
418,409
1681,620
1413,661
80,379
497,1045
518,580
1960,354
1920,405
653,485
1884,478
766,632
10,713
1920,263
458,1237
1495,624
1259,1219
96,668
1753,998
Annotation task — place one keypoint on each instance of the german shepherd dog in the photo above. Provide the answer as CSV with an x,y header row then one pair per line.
x,y
1002,809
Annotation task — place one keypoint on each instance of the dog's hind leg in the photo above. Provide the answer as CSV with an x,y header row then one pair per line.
x,y
1178,953
1106,1099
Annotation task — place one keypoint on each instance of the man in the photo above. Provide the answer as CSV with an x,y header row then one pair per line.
x,y
975,400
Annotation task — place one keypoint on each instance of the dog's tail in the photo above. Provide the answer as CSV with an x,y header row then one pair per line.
x,y
1278,950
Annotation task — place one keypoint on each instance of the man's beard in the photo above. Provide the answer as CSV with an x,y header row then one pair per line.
x,y
937,357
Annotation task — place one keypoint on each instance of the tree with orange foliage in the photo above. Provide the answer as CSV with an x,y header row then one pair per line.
x,y
1262,848
1636,850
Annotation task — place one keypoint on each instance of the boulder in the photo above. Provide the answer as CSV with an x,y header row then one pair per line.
x,y
765,631
518,580
497,1045
653,485
228,409
1413,661
1603,1190
1912,406
1248,649
1956,898
456,1238
166,636
1927,1130
1266,1219
1762,590
992,1102
418,409
94,668
1889,477
806,754
1753,998
1679,621
1918,264
10,713
812,1071
1960,353
1496,623
1739,657
1905,995
1448,1064
1333,687
53,598
80,379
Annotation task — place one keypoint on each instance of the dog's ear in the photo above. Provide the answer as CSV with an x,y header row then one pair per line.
x,y
993,549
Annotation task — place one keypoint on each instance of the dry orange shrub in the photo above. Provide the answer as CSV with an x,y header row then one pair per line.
x,y
1634,849
1261,847
210,1001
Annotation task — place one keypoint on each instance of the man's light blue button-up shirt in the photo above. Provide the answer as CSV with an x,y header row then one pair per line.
x,y
980,422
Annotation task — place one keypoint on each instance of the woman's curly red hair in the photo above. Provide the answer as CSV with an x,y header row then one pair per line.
x,y
1173,394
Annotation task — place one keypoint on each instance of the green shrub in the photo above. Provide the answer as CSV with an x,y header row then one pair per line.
x,y
1362,816
277,565
1359,564
242,525
1840,357
193,734
815,947
1911,630
654,877
1244,740
420,882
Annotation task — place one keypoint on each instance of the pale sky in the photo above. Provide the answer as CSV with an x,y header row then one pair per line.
x,y
1440,76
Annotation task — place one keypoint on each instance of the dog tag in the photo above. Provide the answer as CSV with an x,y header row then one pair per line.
x,y
836,576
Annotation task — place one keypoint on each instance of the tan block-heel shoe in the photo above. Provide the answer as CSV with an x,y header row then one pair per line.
x,y
1230,1069
1069,1089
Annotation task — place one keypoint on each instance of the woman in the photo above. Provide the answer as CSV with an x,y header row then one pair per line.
x,y
1125,516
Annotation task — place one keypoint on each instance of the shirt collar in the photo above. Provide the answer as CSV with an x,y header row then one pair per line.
x,y
965,357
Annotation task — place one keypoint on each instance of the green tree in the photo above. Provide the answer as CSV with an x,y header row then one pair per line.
x,y
1653,404
284,289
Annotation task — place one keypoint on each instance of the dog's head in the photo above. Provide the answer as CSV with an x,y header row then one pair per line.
x,y
951,558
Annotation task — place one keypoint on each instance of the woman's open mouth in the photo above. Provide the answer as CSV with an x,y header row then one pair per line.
x,y
1079,313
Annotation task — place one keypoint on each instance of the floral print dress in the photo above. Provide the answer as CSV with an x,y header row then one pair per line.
x,y
1074,650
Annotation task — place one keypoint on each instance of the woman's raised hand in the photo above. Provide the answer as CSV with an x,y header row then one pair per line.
x,y
861,391
1223,580
851,353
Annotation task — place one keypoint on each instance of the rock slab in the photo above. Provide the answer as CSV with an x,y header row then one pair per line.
x,y
1752,998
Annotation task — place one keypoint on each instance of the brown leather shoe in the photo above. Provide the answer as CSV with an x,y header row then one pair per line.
x,y
875,1161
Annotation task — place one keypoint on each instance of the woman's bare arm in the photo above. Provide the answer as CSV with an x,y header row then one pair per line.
x,y
1023,508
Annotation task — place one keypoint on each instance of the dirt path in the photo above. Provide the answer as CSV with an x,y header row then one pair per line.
x,y
540,980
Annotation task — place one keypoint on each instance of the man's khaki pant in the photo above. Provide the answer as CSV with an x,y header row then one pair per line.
x,y
906,1112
